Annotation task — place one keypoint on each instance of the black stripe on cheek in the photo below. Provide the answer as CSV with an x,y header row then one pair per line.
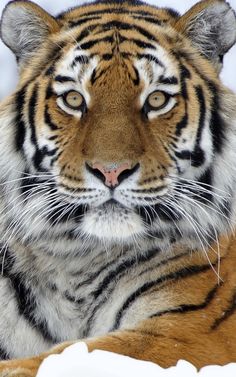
x,y
174,276
198,155
184,75
20,125
205,181
37,159
27,184
136,81
48,121
216,123
50,71
181,125
93,77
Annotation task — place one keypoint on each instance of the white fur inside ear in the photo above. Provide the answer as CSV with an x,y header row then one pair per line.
x,y
22,30
213,30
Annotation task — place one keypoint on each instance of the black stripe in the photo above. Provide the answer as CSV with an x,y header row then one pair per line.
x,y
172,12
125,26
172,80
161,211
123,267
26,301
82,21
151,20
205,181
112,277
184,75
37,159
50,71
20,125
4,355
231,310
180,274
88,45
48,120
63,79
217,125
181,125
27,184
107,57
82,59
65,212
117,10
139,43
136,81
27,306
198,155
151,58
185,308
49,92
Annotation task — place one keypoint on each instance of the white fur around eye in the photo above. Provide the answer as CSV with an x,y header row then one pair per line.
x,y
68,110
164,110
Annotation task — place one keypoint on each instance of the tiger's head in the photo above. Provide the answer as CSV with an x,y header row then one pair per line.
x,y
120,128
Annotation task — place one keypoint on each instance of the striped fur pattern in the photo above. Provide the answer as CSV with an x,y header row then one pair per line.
x,y
150,261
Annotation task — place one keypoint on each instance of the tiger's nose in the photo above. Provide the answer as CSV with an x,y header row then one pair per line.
x,y
112,175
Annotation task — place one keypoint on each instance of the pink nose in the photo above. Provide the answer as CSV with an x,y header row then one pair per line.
x,y
111,173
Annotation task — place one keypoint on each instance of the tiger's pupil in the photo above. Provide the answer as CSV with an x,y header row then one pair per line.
x,y
157,99
74,99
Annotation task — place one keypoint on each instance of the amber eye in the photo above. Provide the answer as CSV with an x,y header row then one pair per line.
x,y
157,100
73,99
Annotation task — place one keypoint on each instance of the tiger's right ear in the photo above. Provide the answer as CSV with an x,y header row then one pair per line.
x,y
24,27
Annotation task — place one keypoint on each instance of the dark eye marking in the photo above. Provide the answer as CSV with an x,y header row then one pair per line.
x,y
63,79
168,80
151,58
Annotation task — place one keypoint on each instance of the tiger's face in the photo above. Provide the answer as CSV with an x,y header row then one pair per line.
x,y
118,109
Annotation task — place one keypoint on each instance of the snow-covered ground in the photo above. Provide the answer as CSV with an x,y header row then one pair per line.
x,y
76,361
8,71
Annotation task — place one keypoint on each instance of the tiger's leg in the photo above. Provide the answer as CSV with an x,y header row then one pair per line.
x,y
162,343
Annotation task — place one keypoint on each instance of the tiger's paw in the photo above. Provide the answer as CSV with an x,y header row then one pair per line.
x,y
19,368
17,372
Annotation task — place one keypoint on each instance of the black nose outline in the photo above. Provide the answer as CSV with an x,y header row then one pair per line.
x,y
124,175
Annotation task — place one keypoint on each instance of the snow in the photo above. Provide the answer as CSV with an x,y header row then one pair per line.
x,y
75,360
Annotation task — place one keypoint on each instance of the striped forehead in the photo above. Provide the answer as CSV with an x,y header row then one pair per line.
x,y
154,67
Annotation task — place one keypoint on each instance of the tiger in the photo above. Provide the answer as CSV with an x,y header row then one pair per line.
x,y
118,184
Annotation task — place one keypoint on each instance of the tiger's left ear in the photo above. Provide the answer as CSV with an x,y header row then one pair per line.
x,y
24,27
211,26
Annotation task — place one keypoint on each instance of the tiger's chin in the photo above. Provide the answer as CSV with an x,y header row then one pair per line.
x,y
113,224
